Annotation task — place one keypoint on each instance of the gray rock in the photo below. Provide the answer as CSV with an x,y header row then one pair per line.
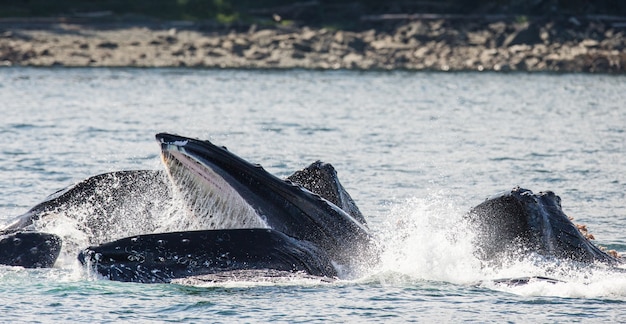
x,y
529,35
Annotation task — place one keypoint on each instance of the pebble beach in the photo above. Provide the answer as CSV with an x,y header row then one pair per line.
x,y
566,45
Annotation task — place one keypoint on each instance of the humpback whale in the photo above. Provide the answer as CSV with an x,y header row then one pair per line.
x,y
229,215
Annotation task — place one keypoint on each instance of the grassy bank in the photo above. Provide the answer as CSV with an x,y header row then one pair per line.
x,y
315,12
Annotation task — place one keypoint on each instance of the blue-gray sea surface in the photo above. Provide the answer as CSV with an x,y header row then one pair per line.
x,y
415,150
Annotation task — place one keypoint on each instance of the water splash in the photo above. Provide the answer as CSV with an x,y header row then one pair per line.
x,y
576,282
427,239
108,207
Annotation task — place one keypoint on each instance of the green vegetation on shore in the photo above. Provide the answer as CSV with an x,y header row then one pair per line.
x,y
305,11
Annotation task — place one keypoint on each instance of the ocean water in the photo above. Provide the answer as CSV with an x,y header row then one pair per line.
x,y
415,150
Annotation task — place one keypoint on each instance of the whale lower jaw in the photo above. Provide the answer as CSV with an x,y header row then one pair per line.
x,y
161,257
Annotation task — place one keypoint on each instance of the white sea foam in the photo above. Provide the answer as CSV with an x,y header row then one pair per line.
x,y
253,278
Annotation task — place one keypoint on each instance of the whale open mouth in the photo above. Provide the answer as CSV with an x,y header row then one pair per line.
x,y
227,192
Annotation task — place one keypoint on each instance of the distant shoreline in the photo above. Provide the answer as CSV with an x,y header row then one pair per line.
x,y
413,44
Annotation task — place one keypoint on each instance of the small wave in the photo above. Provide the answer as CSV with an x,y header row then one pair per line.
x,y
252,278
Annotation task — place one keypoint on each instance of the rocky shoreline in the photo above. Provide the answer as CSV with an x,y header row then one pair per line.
x,y
567,45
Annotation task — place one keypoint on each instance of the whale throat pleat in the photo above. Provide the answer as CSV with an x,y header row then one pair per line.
x,y
211,200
